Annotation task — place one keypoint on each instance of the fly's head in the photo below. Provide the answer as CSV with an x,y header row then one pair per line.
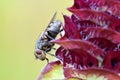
x,y
39,54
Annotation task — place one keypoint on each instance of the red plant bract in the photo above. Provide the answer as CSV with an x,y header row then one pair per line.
x,y
91,36
91,43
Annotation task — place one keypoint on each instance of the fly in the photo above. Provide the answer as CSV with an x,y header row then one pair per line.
x,y
43,44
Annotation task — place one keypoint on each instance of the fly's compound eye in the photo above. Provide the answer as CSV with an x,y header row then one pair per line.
x,y
39,54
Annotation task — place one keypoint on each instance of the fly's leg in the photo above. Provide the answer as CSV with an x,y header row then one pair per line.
x,y
51,54
47,60
54,48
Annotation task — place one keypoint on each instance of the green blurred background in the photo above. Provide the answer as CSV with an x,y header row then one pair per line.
x,y
21,21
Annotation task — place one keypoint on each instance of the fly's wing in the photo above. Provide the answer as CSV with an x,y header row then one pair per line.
x,y
39,40
51,20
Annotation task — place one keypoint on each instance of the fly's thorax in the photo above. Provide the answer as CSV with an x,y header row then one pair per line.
x,y
55,26
39,54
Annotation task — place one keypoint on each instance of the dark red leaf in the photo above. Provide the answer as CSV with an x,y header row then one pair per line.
x,y
71,30
77,58
60,52
99,18
110,6
83,23
80,59
104,44
112,61
115,25
78,4
80,44
98,32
